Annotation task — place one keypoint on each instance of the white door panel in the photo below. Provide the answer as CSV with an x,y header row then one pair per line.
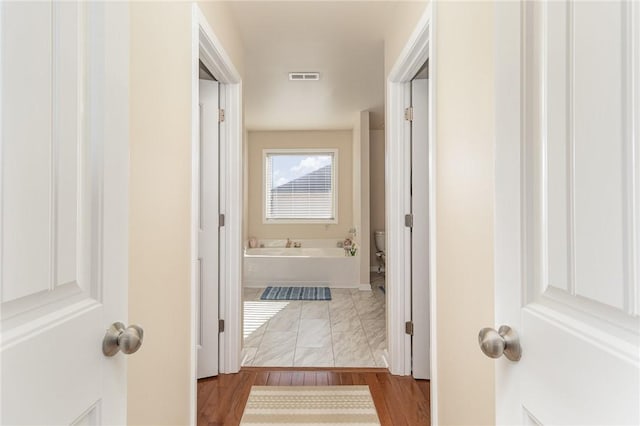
x,y
30,128
585,379
64,126
45,157
208,234
567,246
586,148
420,340
578,160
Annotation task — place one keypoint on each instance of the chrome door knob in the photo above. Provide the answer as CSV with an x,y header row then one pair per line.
x,y
504,341
121,338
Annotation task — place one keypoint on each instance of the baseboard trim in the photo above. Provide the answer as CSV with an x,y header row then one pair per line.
x,y
259,284
361,287
385,358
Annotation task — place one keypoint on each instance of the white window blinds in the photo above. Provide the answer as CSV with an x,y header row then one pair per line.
x,y
299,186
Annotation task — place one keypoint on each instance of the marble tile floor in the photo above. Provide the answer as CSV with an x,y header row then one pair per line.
x,y
348,331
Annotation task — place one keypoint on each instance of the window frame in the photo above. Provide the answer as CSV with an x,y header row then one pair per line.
x,y
334,184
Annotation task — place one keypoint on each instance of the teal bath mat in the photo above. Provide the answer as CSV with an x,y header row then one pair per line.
x,y
296,293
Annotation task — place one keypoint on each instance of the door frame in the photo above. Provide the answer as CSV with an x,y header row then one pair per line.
x,y
419,47
206,47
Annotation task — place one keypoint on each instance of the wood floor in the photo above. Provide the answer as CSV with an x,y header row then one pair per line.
x,y
399,400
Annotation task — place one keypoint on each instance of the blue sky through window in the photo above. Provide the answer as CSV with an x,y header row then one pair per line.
x,y
286,168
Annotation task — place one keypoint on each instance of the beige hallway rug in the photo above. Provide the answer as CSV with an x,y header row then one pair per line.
x,y
310,405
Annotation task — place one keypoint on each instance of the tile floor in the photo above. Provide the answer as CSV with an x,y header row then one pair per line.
x,y
348,331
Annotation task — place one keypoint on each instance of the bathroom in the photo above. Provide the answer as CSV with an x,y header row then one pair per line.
x,y
314,217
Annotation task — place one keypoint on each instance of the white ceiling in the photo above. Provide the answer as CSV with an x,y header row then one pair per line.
x,y
343,41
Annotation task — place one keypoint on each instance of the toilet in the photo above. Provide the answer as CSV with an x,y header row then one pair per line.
x,y
380,254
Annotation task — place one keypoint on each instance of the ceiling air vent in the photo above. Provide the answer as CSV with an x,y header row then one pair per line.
x,y
304,76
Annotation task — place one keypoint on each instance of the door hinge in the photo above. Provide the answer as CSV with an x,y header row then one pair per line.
x,y
220,115
408,220
408,114
408,328
221,220
220,326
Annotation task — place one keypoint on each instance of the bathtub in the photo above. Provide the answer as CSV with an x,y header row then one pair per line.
x,y
306,266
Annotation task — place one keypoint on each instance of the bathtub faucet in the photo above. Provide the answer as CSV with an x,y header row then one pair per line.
x,y
288,243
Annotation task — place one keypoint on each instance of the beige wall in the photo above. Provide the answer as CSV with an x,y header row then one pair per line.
x,y
376,187
160,187
464,215
158,375
340,139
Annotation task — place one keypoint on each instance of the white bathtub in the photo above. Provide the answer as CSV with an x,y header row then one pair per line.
x,y
306,266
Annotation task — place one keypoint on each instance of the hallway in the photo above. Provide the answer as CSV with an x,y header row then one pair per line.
x,y
399,400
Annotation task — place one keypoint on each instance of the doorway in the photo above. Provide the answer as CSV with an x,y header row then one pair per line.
x,y
223,327
230,294
410,234
346,330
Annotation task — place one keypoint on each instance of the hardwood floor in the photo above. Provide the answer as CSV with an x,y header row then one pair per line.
x,y
399,400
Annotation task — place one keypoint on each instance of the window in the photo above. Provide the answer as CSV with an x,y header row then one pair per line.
x,y
300,186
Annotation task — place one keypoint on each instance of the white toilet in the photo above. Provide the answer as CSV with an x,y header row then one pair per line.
x,y
380,254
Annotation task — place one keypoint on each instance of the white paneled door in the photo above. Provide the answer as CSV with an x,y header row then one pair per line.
x,y
568,211
64,158
420,341
208,230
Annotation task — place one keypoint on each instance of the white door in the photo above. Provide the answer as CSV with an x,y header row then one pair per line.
x,y
208,234
420,346
64,126
568,211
